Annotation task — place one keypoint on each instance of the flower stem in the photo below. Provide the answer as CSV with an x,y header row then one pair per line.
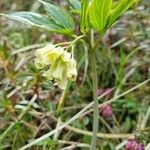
x,y
95,99
62,100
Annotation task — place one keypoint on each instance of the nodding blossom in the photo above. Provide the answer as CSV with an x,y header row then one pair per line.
x,y
58,64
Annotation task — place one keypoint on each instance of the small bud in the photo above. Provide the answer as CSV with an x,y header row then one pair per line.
x,y
57,38
106,111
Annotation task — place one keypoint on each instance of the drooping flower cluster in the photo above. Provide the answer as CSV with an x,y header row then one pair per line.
x,y
61,65
132,144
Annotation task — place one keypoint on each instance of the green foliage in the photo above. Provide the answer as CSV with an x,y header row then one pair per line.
x,y
109,146
49,143
115,60
5,102
3,52
59,16
84,22
104,13
60,21
75,4
118,9
99,11
100,14
35,19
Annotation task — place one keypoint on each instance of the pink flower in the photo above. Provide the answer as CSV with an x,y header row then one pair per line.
x,y
140,147
57,38
106,111
132,144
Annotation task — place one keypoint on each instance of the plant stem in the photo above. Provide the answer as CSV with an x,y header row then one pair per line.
x,y
95,99
62,100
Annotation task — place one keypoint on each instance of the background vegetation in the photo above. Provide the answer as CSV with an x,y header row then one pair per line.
x,y
123,62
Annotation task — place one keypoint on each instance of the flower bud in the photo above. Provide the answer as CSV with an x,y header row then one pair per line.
x,y
106,111
57,38
132,144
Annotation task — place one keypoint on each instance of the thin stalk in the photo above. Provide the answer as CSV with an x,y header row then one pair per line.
x,y
76,40
88,133
145,120
62,100
27,48
95,88
77,144
95,99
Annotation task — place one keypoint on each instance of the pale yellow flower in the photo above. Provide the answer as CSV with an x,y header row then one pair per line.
x,y
61,83
71,70
47,55
66,56
62,67
56,70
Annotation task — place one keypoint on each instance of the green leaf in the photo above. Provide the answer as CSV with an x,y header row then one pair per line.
x,y
75,4
119,8
36,20
84,23
115,4
127,124
99,11
59,16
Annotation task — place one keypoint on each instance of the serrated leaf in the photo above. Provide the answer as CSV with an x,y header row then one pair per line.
x,y
59,16
35,19
99,12
119,8
84,23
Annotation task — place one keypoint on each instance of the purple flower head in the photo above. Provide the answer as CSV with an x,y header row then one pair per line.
x,y
128,145
132,144
106,111
140,147
57,38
